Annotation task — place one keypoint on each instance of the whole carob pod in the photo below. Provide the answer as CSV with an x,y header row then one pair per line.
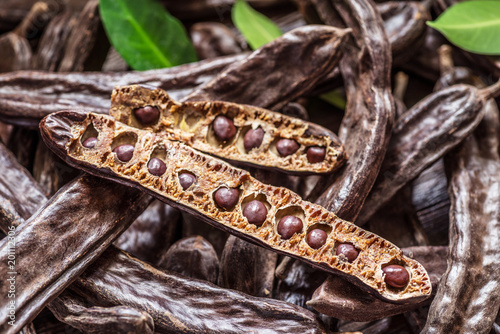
x,y
239,133
220,194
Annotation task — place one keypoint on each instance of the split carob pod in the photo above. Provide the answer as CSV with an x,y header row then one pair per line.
x,y
239,133
28,96
468,296
220,194
367,123
65,222
340,299
113,282
424,134
71,309
280,71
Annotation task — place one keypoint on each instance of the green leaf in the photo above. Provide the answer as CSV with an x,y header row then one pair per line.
x,y
334,98
255,27
145,35
472,25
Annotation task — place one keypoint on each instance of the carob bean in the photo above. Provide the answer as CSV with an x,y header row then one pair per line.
x,y
272,76
216,128
255,273
70,309
224,128
186,180
348,251
226,198
65,221
253,138
157,167
27,96
288,226
152,233
90,142
316,154
62,132
366,127
316,238
192,257
396,276
124,152
340,299
468,294
147,115
287,147
255,212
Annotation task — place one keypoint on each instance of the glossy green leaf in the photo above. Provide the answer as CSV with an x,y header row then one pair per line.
x,y
145,35
335,99
472,25
255,27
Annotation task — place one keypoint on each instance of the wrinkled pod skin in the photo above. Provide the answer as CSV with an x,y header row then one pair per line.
x,y
63,133
420,137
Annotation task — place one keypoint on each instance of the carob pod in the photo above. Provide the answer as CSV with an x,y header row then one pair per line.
x,y
424,134
341,299
239,133
220,194
87,45
468,296
50,171
70,309
367,124
213,39
77,238
278,72
51,47
192,257
23,143
27,96
247,268
152,233
181,305
113,282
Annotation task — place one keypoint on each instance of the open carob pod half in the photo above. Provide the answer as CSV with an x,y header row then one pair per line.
x,y
240,133
232,200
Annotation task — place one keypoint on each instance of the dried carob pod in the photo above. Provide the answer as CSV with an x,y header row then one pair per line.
x,y
255,273
77,239
213,39
192,257
179,304
72,310
152,233
367,123
51,47
26,97
219,194
87,46
280,71
16,53
468,296
239,133
424,134
340,299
